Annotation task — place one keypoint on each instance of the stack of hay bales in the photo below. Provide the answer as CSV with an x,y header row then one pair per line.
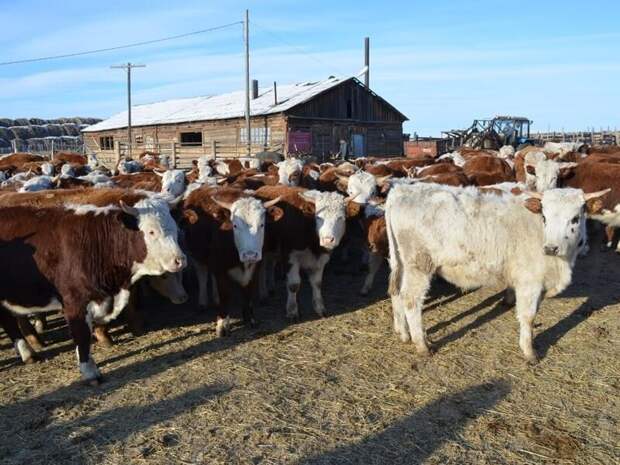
x,y
41,132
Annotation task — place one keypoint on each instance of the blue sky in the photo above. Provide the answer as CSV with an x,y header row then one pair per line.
x,y
442,63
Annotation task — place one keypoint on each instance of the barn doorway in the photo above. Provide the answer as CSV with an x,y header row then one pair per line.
x,y
358,145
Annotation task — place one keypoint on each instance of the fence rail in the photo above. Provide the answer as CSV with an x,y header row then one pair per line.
x,y
44,147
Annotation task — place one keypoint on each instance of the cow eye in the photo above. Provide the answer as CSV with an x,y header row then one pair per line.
x,y
151,232
575,220
544,219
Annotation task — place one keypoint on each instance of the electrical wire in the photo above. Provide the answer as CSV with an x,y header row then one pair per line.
x,y
119,47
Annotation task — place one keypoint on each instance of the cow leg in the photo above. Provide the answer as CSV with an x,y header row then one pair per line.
x,y
10,326
414,286
374,263
609,236
528,299
214,291
40,322
222,326
30,334
293,282
248,305
316,278
509,297
202,276
263,293
133,315
400,321
81,336
102,336
584,247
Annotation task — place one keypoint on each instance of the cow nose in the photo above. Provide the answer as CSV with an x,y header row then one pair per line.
x,y
180,262
551,250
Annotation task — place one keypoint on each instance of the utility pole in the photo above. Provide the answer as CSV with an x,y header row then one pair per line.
x,y
367,62
128,67
246,37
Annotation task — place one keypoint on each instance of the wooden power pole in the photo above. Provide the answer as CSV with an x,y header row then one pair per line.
x,y
128,67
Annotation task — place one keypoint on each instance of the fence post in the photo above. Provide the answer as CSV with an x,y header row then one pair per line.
x,y
174,155
214,149
14,144
117,152
52,152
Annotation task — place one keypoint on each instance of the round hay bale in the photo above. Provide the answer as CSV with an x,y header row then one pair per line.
x,y
37,121
4,143
22,132
54,130
6,123
6,134
71,129
40,130
22,122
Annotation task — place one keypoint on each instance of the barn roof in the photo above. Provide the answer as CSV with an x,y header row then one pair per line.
x,y
224,106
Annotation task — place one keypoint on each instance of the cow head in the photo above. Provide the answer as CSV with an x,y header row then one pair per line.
x,y
547,173
170,286
289,172
47,169
163,253
173,182
247,216
361,186
93,161
563,215
330,213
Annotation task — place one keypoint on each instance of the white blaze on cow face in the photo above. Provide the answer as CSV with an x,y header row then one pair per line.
x,y
547,173
330,216
361,187
47,169
247,216
172,182
289,172
163,253
563,212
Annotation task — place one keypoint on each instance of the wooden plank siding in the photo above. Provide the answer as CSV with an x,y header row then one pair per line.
x,y
339,113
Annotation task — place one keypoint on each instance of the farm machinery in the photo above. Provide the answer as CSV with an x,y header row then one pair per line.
x,y
492,133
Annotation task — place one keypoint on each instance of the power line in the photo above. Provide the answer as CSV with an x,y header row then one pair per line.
x,y
119,47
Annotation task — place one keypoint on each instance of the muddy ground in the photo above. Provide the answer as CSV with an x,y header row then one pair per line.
x,y
341,390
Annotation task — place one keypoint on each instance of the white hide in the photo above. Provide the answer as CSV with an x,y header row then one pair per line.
x,y
330,217
47,169
506,152
160,236
456,158
67,171
173,183
204,169
462,235
361,187
38,183
287,169
562,148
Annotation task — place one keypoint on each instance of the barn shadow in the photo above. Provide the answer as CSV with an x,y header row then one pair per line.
x,y
414,439
68,442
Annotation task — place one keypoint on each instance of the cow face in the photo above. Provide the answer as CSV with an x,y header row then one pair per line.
x,y
163,253
47,169
361,186
170,286
173,182
563,214
547,173
289,172
330,216
247,216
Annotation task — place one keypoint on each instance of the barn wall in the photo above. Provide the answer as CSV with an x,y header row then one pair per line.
x,y
225,133
379,139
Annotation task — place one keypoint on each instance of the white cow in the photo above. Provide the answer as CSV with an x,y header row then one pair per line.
x,y
38,183
173,182
289,171
562,148
527,243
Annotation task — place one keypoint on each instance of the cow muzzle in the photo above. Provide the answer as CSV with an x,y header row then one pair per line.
x,y
249,257
551,250
178,263
328,242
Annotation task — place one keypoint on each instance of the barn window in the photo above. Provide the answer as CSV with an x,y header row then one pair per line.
x,y
191,138
106,143
260,136
349,109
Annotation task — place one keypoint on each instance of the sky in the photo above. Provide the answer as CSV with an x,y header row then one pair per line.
x,y
442,63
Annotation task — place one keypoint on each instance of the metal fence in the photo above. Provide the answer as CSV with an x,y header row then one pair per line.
x,y
45,146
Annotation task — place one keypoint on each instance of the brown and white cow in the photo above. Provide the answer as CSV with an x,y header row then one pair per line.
x,y
224,235
82,260
312,226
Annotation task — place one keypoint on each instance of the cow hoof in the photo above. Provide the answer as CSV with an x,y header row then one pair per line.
x,y
93,382
293,318
106,343
364,292
30,360
35,342
532,359
222,332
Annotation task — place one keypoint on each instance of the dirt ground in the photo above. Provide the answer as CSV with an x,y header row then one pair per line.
x,y
340,390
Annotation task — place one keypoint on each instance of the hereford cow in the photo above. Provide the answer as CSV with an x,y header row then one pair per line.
x,y
486,170
224,234
311,227
461,234
289,171
81,260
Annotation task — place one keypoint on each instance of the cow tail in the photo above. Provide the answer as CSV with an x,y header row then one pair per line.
x,y
396,266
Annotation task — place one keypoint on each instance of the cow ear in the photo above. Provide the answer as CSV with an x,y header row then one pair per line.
x,y
309,196
567,169
531,169
190,216
534,205
275,213
594,206
129,210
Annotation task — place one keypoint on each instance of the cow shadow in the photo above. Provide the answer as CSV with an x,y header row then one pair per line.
x,y
415,438
74,440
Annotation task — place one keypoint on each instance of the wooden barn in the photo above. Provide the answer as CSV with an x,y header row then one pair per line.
x,y
312,118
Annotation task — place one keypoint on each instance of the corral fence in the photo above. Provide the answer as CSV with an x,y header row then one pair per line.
x,y
45,146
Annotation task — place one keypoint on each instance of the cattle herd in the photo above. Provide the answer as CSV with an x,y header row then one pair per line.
x,y
78,238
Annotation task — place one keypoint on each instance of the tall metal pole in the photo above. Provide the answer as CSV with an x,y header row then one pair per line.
x,y
246,30
367,62
128,67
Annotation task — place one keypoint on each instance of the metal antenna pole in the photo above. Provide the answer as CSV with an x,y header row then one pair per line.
x,y
367,62
128,67
246,30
